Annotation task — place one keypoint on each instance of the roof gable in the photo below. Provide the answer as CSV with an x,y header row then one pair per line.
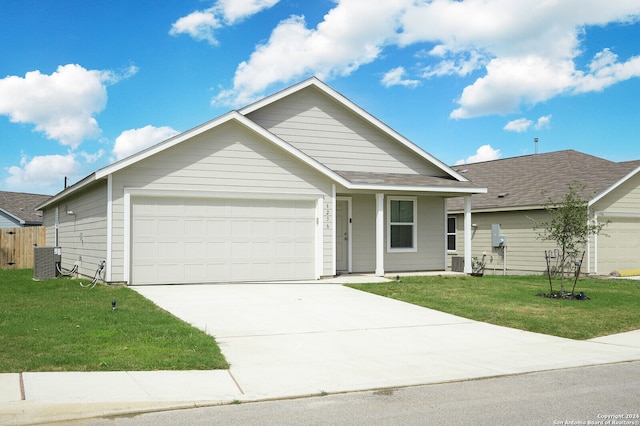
x,y
182,137
452,182
519,182
231,116
617,184
330,128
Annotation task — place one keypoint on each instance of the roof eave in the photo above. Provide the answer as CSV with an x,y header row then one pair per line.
x,y
231,116
416,188
499,209
13,216
67,191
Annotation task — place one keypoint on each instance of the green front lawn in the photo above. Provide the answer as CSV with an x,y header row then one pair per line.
x,y
614,305
56,325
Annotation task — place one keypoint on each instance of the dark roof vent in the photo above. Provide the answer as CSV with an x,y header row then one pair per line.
x,y
503,194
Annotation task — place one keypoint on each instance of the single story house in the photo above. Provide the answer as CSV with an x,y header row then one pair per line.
x,y
302,184
18,209
503,217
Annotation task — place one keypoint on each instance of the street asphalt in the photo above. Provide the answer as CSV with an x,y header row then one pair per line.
x,y
286,340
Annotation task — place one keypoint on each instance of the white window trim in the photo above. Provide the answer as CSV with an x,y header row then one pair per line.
x,y
414,225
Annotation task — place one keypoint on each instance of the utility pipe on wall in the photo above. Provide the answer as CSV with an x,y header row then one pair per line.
x,y
504,260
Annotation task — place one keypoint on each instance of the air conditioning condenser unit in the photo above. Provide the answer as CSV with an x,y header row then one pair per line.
x,y
46,262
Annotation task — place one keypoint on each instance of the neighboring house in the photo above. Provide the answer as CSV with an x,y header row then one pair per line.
x,y
18,209
300,185
515,198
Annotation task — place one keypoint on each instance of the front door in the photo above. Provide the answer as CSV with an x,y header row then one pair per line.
x,y
342,236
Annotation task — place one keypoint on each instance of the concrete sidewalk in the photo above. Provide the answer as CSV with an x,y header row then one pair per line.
x,y
297,339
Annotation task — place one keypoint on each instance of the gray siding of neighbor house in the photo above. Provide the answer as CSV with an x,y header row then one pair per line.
x,y
325,130
619,244
83,236
524,252
8,222
429,255
228,158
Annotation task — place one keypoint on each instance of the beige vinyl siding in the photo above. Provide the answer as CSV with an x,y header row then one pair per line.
x,y
83,236
618,246
430,240
430,237
49,222
524,252
624,199
336,137
227,158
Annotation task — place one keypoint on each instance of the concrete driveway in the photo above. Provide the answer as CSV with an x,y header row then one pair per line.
x,y
286,340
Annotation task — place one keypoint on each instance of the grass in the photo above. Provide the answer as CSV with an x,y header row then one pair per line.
x,y
614,305
56,325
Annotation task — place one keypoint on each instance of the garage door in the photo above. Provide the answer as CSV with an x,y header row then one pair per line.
x,y
180,240
619,245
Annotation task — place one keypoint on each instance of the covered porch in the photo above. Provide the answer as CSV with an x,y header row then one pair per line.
x,y
398,227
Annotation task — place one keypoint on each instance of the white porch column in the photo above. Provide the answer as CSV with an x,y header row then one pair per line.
x,y
380,235
467,235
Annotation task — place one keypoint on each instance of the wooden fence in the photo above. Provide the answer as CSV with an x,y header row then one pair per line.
x,y
16,246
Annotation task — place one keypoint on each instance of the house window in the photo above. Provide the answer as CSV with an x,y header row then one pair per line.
x,y
451,233
402,225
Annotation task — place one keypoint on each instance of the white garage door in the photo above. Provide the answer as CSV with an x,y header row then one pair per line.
x,y
181,240
620,247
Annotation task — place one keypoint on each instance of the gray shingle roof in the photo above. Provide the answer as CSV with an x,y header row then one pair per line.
x,y
22,206
518,182
401,179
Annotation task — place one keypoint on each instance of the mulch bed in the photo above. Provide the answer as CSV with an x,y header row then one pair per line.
x,y
569,296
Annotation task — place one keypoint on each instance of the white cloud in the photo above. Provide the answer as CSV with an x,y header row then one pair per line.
x,y
61,105
237,10
131,141
460,65
543,122
527,49
520,125
92,158
202,24
396,77
484,153
351,35
605,70
513,81
44,174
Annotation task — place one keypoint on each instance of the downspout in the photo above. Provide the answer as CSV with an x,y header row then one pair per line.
x,y
504,261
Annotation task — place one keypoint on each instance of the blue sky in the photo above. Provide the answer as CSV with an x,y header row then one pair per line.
x,y
84,83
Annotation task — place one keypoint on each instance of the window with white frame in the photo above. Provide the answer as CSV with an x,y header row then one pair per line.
x,y
402,223
451,233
